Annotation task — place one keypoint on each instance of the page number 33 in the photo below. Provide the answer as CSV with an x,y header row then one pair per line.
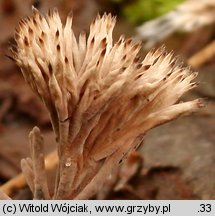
x,y
205,208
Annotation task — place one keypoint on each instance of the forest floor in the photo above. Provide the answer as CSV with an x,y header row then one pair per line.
x,y
178,157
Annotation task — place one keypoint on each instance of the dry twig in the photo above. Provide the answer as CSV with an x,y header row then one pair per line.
x,y
4,196
187,17
19,181
202,56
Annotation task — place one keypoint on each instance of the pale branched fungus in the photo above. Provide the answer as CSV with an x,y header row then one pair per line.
x,y
101,98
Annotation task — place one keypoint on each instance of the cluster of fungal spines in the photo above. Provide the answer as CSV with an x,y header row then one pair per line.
x,y
101,96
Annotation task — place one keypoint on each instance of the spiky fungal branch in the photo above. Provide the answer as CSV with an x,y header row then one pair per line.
x,y
101,98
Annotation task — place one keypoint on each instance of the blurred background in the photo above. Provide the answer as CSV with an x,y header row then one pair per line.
x,y
177,159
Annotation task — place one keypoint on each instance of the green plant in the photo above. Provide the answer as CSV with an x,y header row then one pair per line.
x,y
143,10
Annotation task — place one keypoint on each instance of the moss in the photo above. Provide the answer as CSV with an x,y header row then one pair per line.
x,y
142,10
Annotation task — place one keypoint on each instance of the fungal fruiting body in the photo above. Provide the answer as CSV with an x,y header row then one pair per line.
x,y
101,97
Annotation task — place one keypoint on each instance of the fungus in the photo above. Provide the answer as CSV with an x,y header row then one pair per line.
x,y
100,96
